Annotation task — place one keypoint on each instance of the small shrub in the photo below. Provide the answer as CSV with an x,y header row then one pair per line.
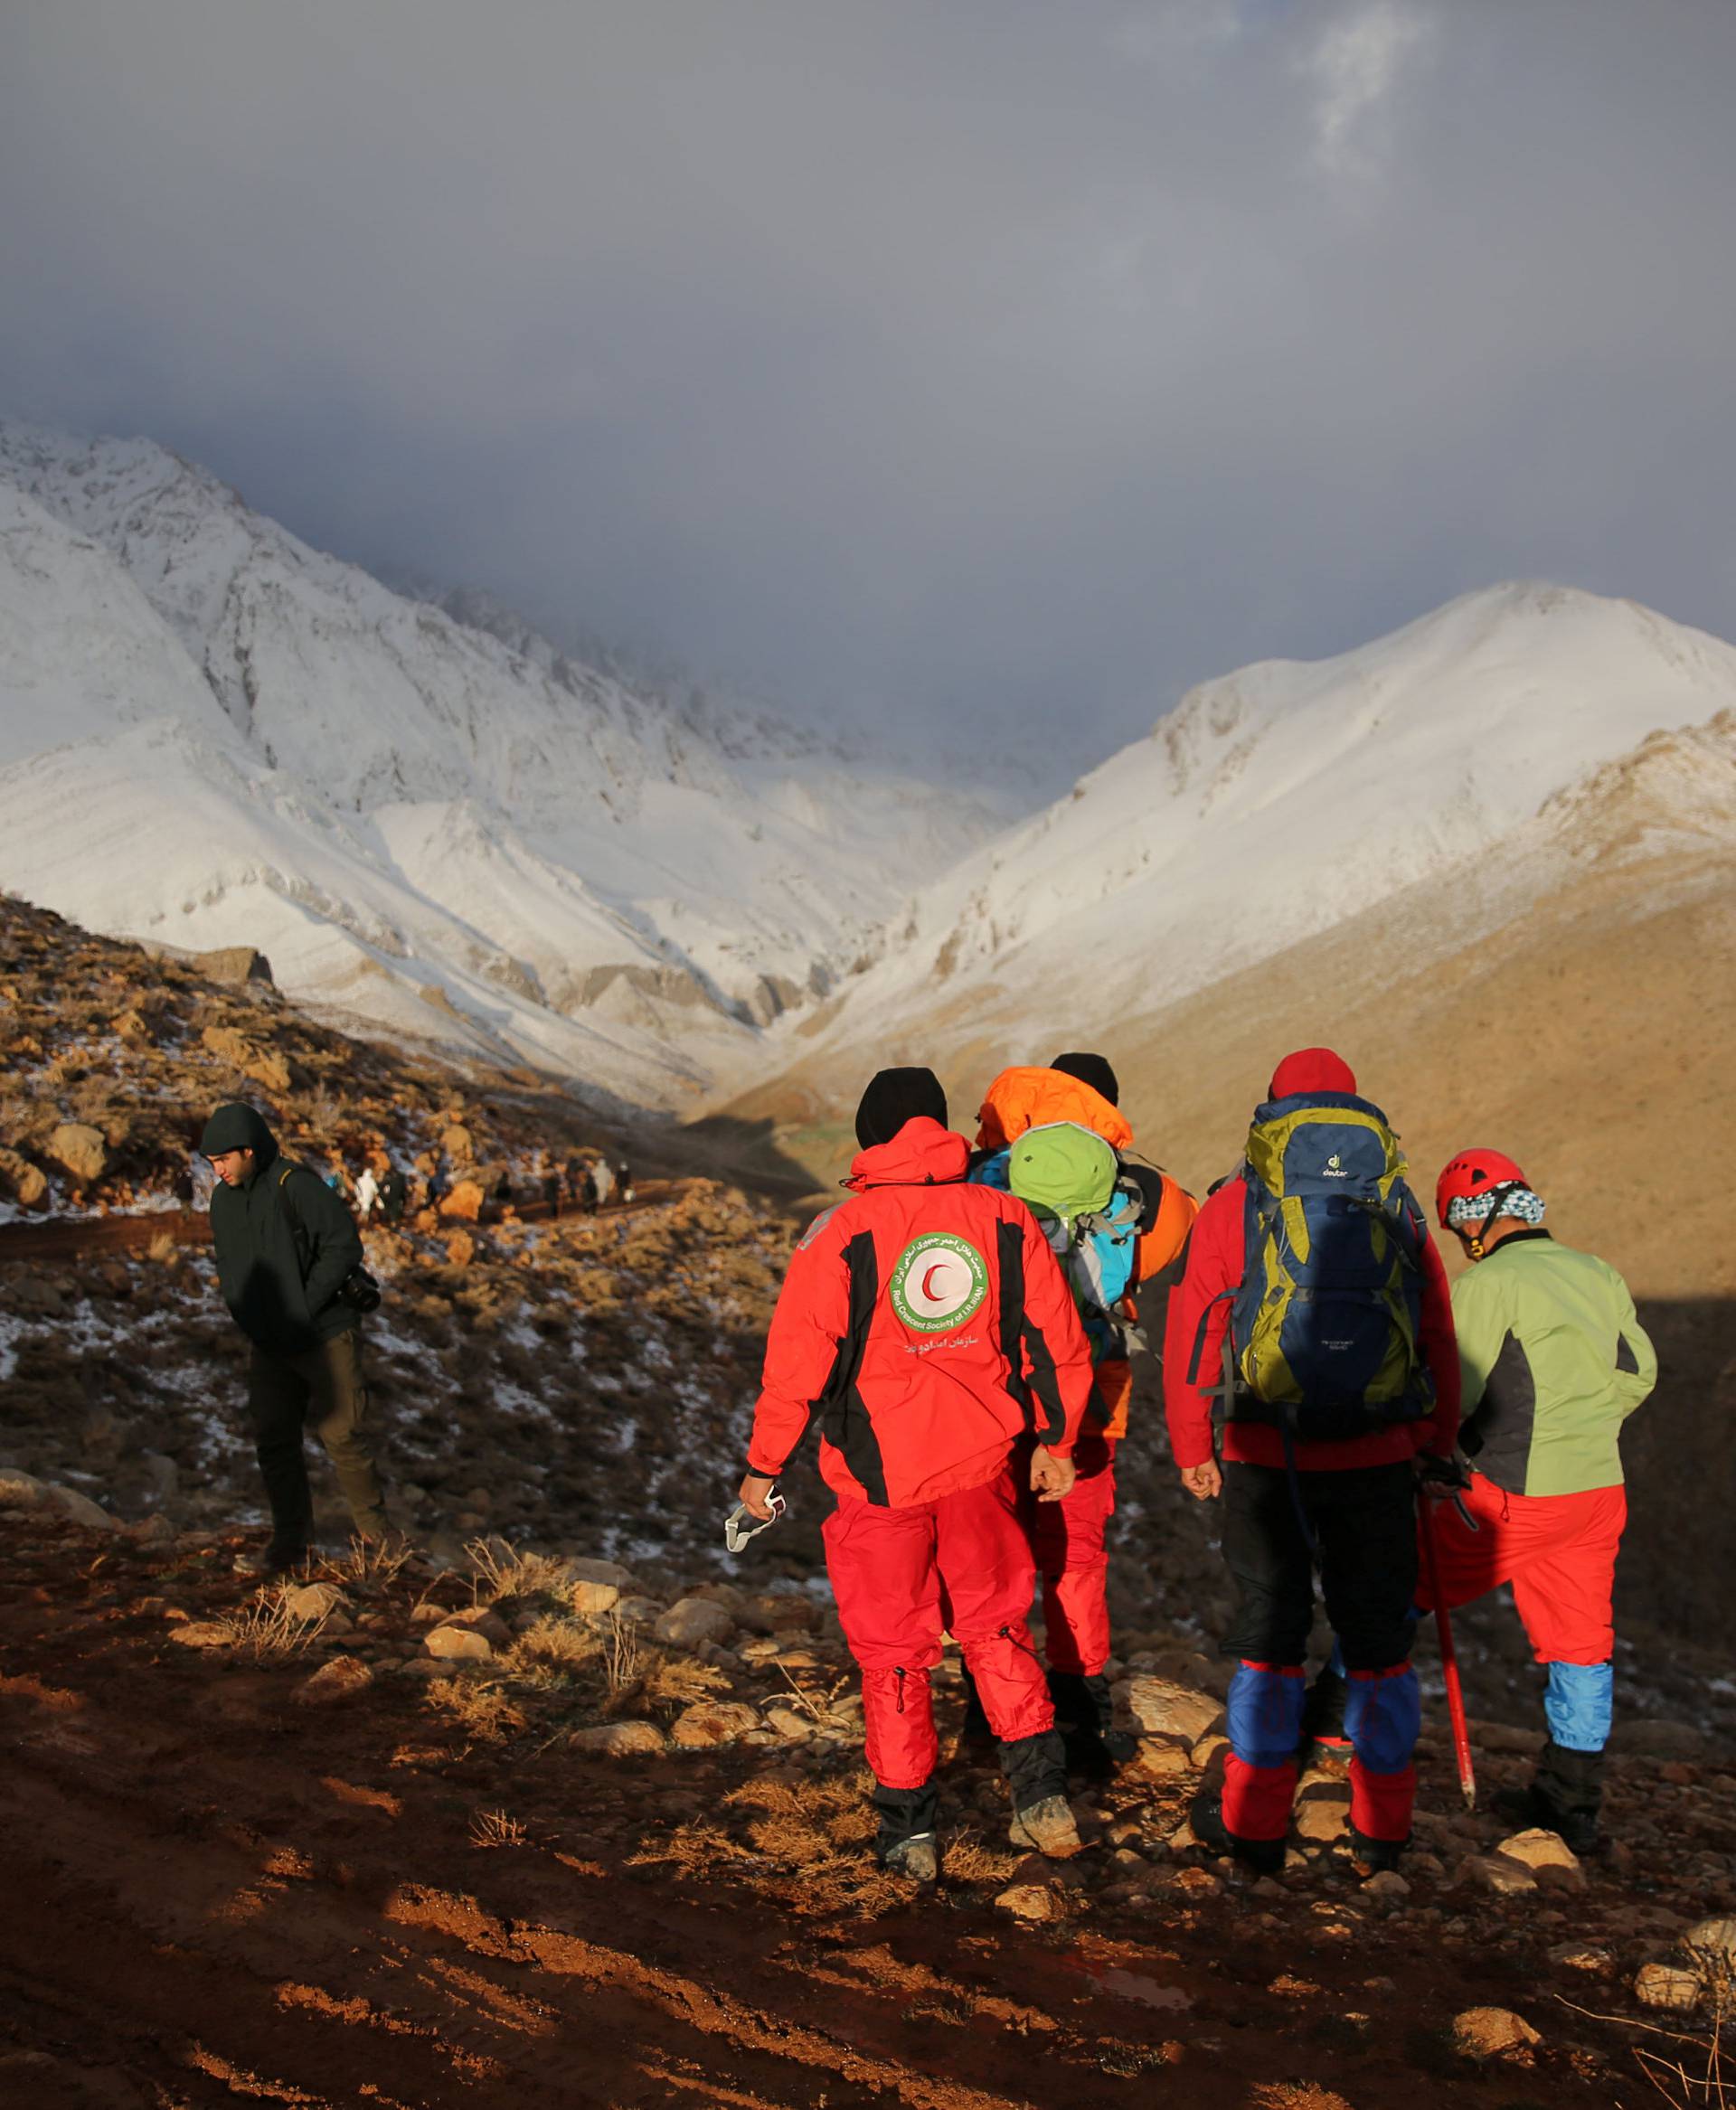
x,y
495,1828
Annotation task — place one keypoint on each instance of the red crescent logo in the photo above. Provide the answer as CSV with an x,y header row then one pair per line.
x,y
929,1275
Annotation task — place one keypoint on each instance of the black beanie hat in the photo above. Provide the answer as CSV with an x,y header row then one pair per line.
x,y
894,1096
1093,1071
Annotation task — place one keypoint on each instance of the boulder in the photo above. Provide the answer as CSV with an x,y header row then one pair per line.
x,y
26,1183
457,1644
1539,1849
1581,1955
459,1145
1666,1986
790,1723
603,1571
709,1722
484,1620
1658,1739
461,1248
201,1633
234,963
1494,1871
1161,1759
778,1612
594,1598
1029,1901
1159,1706
265,1065
82,1150
342,1679
691,1620
1483,2033
311,1602
1386,1883
619,1739
79,1509
462,1201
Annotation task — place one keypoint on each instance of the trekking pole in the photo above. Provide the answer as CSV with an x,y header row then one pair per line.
x,y
1448,1656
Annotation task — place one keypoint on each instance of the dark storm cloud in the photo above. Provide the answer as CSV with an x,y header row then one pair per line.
x,y
947,361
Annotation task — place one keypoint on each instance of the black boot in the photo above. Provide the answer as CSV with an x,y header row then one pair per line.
x,y
906,1838
1260,1857
1566,1793
1036,1777
1085,1717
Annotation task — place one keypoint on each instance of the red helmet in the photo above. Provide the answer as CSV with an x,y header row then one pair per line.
x,y
1475,1172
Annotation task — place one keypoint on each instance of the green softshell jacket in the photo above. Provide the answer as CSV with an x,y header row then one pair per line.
x,y
281,1268
1553,1361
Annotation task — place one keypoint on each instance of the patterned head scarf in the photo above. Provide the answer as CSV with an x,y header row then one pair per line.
x,y
1518,1202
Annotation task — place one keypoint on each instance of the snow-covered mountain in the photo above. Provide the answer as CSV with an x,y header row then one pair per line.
x,y
212,734
1276,803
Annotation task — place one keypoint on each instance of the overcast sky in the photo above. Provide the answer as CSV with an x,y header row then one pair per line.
x,y
977,362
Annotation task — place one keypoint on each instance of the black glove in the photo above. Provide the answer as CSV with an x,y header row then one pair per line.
x,y
1447,1474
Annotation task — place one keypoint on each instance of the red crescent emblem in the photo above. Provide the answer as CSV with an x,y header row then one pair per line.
x,y
929,1275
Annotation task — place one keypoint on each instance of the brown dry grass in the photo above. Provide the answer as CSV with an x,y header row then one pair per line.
x,y
482,1712
807,1849
494,1828
266,1631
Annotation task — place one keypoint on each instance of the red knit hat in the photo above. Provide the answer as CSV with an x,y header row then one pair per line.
x,y
1312,1070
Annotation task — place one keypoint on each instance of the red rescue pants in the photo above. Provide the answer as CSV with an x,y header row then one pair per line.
x,y
1067,1536
904,1577
1557,1551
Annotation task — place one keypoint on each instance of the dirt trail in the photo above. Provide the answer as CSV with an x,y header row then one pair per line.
x,y
215,1894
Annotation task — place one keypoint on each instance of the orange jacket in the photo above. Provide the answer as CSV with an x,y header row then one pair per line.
x,y
927,1325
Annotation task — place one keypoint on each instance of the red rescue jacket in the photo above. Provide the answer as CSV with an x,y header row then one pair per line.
x,y
927,1325
1216,1261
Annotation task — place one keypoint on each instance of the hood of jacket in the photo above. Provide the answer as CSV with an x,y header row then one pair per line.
x,y
239,1126
921,1154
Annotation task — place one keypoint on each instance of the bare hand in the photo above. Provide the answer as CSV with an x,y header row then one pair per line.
x,y
1204,1483
753,1491
1051,1477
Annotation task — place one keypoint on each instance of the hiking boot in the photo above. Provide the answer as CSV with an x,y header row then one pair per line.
x,y
1085,1717
915,1859
1565,1798
272,1559
1047,1826
906,1838
1260,1857
1369,1856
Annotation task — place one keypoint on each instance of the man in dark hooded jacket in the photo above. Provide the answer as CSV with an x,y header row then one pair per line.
x,y
285,1244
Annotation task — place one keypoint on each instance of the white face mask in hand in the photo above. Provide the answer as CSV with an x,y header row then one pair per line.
x,y
741,1524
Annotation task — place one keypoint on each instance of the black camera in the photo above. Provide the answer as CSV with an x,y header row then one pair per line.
x,y
359,1290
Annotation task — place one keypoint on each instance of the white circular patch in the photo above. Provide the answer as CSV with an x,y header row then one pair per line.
x,y
940,1281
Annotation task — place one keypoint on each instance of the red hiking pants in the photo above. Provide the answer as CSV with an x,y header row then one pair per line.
x,y
902,1578
1068,1539
1557,1551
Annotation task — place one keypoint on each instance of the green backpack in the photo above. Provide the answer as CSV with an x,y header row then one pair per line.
x,y
1091,1215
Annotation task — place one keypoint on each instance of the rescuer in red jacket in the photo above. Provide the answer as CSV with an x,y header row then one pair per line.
x,y
926,1327
1350,1503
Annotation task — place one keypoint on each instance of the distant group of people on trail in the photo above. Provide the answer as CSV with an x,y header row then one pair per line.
x,y
960,1328
381,1191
